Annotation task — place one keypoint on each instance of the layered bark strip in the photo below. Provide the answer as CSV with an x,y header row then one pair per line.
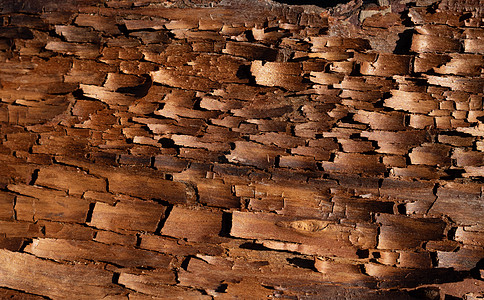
x,y
241,149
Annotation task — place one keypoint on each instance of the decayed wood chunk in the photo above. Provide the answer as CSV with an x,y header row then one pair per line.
x,y
84,281
75,181
288,74
253,154
41,203
131,215
147,187
400,232
203,226
450,201
173,246
387,65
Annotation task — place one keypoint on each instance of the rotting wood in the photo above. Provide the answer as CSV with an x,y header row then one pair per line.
x,y
232,149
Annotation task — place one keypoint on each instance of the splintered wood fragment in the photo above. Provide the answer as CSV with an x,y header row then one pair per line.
x,y
193,225
130,215
85,281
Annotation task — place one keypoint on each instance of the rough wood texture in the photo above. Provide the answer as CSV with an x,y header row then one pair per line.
x,y
241,149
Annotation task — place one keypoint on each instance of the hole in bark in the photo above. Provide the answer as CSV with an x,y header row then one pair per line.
x,y
402,209
363,253
302,263
254,246
89,212
167,143
115,278
226,224
184,264
221,288
35,175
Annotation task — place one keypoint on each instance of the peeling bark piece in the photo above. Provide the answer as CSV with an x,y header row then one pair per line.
x,y
297,162
48,205
76,34
430,154
278,139
426,62
131,215
106,96
387,65
393,277
342,272
464,259
420,194
412,101
86,51
462,64
468,158
461,202
177,78
355,162
108,237
416,260
6,206
193,225
216,193
402,232
195,142
15,229
253,154
102,23
60,230
250,51
309,236
381,120
147,187
71,250
285,74
431,43
467,236
84,281
75,181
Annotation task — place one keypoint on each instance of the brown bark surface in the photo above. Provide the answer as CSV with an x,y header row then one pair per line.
x,y
241,150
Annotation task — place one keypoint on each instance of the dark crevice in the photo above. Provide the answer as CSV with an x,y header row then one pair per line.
x,y
34,177
90,212
226,224
302,263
